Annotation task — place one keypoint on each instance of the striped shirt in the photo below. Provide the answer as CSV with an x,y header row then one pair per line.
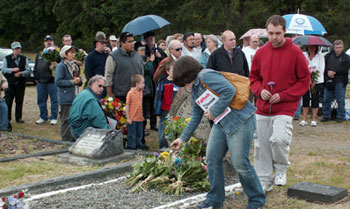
x,y
134,100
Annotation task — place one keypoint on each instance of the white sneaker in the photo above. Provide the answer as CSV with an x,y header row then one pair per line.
x,y
303,123
53,122
313,123
267,188
281,179
40,121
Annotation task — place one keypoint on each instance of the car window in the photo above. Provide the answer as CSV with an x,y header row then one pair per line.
x,y
4,53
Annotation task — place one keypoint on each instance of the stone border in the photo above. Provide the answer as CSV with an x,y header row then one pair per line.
x,y
96,174
37,154
41,138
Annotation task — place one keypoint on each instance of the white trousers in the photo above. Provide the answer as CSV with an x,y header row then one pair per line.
x,y
271,147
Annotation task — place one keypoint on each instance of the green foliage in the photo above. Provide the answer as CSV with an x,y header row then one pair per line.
x,y
174,126
29,21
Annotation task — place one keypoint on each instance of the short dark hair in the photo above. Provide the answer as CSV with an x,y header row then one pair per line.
x,y
149,34
186,70
276,20
135,79
124,35
187,35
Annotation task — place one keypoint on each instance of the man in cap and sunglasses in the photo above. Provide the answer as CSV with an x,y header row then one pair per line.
x,y
15,68
46,84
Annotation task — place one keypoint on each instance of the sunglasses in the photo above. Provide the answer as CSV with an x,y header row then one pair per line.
x,y
178,49
100,86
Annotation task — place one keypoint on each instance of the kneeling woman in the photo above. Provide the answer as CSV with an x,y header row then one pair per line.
x,y
234,132
86,110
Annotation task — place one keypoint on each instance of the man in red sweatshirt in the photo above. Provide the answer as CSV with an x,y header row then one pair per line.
x,y
279,77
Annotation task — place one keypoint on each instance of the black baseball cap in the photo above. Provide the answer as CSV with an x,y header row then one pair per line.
x,y
48,37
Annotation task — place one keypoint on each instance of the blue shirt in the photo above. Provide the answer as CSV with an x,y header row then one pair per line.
x,y
6,70
218,83
95,64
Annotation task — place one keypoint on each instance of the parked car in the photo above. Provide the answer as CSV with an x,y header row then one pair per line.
x,y
5,51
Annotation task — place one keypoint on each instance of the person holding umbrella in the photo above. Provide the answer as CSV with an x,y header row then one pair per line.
x,y
316,66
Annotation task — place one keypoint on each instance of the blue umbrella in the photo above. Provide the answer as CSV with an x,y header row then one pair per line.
x,y
144,24
303,25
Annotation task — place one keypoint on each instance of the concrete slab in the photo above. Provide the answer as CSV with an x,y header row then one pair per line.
x,y
317,192
79,160
48,185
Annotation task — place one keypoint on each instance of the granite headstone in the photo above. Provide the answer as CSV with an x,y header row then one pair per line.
x,y
182,107
98,143
317,192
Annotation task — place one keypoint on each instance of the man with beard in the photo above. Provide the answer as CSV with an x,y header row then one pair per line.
x,y
189,48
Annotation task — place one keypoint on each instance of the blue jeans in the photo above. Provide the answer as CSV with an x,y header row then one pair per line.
x,y
45,90
162,142
3,115
135,133
239,146
297,113
339,94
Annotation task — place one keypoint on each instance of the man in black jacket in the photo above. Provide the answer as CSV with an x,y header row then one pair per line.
x,y
335,79
46,86
228,57
15,68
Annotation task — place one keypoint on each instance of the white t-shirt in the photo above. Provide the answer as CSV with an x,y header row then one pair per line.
x,y
317,63
249,54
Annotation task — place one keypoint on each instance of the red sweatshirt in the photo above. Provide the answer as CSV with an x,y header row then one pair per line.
x,y
288,68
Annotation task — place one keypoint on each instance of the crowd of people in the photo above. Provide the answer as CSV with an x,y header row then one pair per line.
x,y
146,76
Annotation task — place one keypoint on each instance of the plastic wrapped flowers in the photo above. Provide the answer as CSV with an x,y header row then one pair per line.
x,y
115,108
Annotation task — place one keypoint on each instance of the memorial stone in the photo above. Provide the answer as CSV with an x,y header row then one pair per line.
x,y
182,107
98,143
317,192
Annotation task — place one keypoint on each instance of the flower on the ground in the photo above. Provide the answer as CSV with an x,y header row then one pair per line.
x,y
188,120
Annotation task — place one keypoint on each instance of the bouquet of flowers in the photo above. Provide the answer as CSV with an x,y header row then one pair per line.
x,y
12,202
173,173
114,108
51,54
80,55
174,126
315,74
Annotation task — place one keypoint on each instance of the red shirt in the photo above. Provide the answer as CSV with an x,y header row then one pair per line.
x,y
288,68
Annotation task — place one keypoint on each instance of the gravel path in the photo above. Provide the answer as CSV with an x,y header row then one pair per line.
x,y
111,195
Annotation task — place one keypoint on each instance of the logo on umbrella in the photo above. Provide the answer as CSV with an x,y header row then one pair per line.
x,y
299,21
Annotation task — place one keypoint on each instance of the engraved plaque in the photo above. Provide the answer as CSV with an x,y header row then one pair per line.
x,y
98,143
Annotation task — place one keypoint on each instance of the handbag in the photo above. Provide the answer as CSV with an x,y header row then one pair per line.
x,y
242,85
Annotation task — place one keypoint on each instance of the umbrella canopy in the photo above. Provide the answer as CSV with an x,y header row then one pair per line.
x,y
312,40
261,32
303,25
144,24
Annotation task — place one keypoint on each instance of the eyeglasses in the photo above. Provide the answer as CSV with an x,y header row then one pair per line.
x,y
178,49
100,86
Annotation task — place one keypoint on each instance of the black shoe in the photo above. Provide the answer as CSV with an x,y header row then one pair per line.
x,y
9,127
146,133
296,117
324,119
339,120
154,128
20,121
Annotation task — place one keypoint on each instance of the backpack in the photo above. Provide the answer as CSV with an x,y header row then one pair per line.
x,y
242,85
